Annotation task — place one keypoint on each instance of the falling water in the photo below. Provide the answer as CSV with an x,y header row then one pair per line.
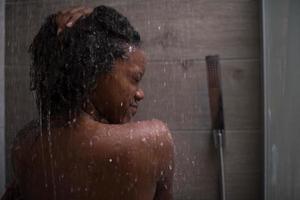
x,y
42,144
51,152
173,31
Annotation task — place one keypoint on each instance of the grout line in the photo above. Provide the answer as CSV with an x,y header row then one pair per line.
x,y
203,60
2,96
183,61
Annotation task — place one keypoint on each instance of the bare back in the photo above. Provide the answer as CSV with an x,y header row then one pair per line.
x,y
91,160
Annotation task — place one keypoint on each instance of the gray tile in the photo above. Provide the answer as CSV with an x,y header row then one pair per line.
x,y
196,165
176,92
197,29
2,106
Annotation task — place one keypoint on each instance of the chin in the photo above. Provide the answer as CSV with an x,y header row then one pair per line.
x,y
123,119
126,119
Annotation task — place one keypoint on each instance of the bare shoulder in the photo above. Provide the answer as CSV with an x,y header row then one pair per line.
x,y
27,134
28,130
153,128
158,135
23,141
146,135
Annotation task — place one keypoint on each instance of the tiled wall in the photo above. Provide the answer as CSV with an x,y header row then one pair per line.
x,y
282,99
177,35
2,106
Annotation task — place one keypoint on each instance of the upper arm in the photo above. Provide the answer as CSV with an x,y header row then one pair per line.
x,y
17,157
164,187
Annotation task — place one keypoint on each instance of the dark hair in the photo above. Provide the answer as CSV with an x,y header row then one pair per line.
x,y
65,66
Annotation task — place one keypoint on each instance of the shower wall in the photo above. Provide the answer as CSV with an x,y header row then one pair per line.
x,y
282,98
2,132
177,35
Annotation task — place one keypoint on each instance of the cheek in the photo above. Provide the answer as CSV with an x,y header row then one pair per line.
x,y
119,96
125,91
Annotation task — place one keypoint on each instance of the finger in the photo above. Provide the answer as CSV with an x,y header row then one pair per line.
x,y
82,12
88,10
68,17
74,18
61,21
68,13
72,10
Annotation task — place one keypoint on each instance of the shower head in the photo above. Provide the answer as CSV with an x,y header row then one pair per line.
x,y
215,92
217,116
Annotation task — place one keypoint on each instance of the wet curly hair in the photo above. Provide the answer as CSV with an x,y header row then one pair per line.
x,y
65,67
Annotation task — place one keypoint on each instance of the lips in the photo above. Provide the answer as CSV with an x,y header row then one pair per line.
x,y
134,108
134,104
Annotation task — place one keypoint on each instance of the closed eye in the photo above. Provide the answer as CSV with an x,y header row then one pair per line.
x,y
137,77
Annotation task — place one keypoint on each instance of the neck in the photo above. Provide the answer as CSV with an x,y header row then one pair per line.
x,y
88,110
91,110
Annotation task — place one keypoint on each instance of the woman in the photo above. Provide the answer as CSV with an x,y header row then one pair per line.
x,y
86,69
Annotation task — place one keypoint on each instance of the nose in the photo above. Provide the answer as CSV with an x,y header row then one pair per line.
x,y
139,95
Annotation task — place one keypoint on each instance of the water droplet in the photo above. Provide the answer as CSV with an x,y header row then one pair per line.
x,y
161,144
170,167
144,140
96,138
159,27
130,49
121,104
110,160
193,163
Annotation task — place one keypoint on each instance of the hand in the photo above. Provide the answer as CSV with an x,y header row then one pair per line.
x,y
68,17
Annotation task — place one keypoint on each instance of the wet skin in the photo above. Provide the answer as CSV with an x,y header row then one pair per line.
x,y
117,93
101,155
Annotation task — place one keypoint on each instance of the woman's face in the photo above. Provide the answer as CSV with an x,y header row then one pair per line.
x,y
117,93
